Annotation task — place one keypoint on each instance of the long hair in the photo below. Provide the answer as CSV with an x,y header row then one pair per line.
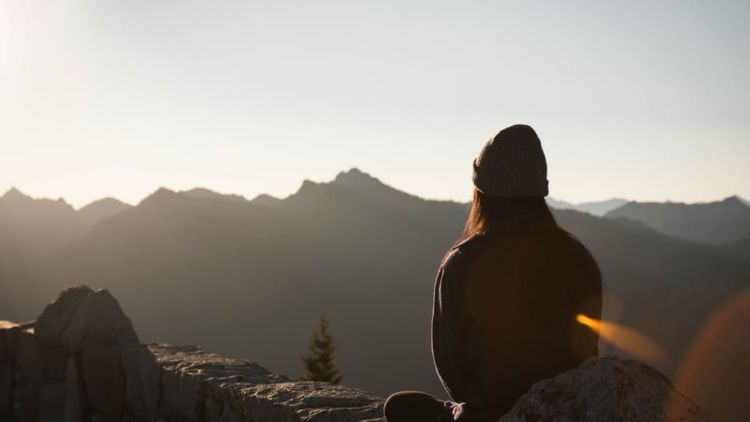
x,y
501,214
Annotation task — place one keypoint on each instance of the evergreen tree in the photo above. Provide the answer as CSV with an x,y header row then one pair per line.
x,y
319,364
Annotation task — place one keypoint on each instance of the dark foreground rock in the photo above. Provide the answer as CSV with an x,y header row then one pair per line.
x,y
82,362
606,389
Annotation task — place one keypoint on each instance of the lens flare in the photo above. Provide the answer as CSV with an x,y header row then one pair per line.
x,y
626,339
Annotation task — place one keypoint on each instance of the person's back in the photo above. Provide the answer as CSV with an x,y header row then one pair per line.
x,y
505,313
507,294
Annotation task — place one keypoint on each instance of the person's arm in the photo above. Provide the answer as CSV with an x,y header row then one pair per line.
x,y
586,298
450,328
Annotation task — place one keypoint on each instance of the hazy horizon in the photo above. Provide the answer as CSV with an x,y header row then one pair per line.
x,y
136,202
640,100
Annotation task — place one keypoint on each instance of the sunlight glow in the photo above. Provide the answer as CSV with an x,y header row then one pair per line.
x,y
625,339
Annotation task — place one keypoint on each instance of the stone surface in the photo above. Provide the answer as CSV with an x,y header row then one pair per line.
x,y
6,391
51,405
105,381
74,394
6,370
605,389
54,360
56,316
90,367
189,375
27,368
6,329
142,379
97,323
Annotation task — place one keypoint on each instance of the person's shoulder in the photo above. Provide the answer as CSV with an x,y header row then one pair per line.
x,y
464,252
577,252
573,243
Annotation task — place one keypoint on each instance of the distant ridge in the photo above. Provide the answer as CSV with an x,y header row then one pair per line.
x,y
740,248
597,208
357,179
209,194
251,277
14,194
265,200
96,211
715,223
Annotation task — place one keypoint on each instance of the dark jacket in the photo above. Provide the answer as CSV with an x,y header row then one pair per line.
x,y
505,311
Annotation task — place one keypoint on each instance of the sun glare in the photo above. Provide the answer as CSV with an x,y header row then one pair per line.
x,y
625,339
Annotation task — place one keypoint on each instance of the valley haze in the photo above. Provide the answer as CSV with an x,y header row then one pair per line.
x,y
251,277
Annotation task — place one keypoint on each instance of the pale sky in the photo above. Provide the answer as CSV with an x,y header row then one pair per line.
x,y
643,100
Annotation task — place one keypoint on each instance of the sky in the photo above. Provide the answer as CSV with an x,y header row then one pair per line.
x,y
646,100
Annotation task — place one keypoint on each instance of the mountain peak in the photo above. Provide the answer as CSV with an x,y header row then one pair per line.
x,y
734,200
106,201
158,196
265,200
209,194
101,209
357,179
15,194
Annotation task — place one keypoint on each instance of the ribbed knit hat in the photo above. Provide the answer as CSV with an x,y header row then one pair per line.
x,y
512,164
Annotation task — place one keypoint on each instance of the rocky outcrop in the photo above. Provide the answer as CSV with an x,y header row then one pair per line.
x,y
606,389
81,361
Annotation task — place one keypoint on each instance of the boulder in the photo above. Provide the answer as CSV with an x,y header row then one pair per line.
x,y
27,366
606,389
56,316
74,393
51,404
194,382
54,362
6,370
105,381
6,391
142,378
310,401
6,330
98,322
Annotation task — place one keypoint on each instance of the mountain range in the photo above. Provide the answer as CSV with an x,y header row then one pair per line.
x,y
251,277
598,208
716,223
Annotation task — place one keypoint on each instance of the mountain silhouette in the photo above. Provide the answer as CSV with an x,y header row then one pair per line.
x,y
739,248
251,277
97,211
598,208
714,223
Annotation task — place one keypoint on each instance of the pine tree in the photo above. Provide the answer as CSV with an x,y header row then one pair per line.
x,y
319,364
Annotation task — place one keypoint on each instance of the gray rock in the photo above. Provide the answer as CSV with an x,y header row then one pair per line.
x,y
197,384
6,329
191,378
51,404
74,395
56,316
27,364
311,401
105,381
6,370
54,362
97,323
6,391
142,378
370,412
606,389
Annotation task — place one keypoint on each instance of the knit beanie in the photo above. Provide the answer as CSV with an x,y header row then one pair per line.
x,y
512,164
